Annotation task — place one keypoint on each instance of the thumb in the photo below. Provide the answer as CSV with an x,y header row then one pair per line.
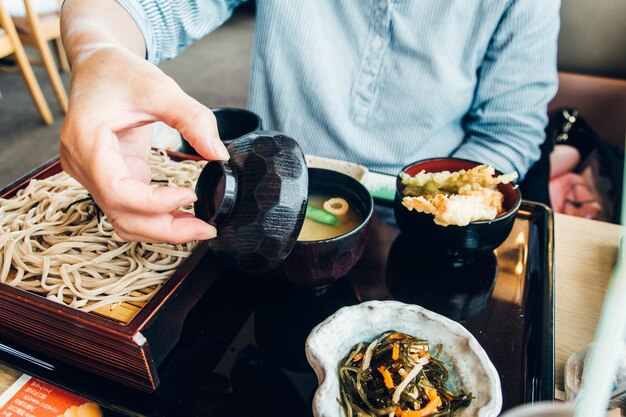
x,y
194,121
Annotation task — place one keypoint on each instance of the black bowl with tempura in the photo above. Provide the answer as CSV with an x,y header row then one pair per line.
x,y
460,242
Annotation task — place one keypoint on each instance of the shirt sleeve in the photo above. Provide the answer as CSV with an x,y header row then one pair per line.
x,y
518,77
169,26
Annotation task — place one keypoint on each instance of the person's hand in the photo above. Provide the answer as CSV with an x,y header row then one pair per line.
x,y
106,139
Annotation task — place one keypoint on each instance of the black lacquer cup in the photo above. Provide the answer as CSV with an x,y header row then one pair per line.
x,y
459,242
256,200
232,123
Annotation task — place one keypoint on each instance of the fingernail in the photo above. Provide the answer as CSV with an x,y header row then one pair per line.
x,y
220,150
188,198
205,233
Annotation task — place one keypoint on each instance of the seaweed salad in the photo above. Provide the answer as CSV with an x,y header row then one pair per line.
x,y
396,375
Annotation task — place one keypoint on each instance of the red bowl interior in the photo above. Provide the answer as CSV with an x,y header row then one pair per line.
x,y
451,164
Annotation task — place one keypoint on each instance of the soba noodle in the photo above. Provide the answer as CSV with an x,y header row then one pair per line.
x,y
54,243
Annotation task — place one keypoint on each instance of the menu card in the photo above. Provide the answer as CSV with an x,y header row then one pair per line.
x,y
32,397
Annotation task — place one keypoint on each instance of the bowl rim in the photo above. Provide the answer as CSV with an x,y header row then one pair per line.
x,y
541,408
239,111
491,408
511,212
364,223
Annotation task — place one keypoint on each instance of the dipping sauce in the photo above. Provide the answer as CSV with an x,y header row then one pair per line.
x,y
312,230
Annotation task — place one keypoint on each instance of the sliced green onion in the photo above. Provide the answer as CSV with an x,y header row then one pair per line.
x,y
321,216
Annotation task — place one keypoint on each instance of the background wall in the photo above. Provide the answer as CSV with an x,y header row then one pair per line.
x,y
593,37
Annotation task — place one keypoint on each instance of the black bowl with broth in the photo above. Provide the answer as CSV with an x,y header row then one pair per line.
x,y
313,230
321,261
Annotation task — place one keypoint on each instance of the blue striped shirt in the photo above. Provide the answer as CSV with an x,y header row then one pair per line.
x,y
388,82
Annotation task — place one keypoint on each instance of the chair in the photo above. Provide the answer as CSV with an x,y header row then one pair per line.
x,y
600,100
592,65
37,30
10,45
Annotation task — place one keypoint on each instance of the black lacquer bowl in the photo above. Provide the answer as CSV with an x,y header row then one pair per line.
x,y
232,123
256,200
318,263
459,242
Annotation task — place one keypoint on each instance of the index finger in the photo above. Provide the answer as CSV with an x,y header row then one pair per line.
x,y
194,121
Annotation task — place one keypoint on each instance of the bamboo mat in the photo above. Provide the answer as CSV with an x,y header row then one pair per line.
x,y
118,312
7,377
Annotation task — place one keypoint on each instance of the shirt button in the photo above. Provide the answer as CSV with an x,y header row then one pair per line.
x,y
377,43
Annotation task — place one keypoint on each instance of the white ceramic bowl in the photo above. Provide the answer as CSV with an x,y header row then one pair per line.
x,y
467,362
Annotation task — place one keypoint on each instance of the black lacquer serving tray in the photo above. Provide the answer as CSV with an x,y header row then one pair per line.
x,y
241,350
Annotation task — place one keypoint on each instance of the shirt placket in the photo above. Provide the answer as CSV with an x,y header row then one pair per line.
x,y
378,38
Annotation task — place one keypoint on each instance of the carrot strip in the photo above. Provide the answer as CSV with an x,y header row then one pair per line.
x,y
395,353
386,376
357,357
396,336
431,407
398,412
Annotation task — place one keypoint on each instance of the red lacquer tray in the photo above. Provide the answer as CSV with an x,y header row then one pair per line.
x,y
126,353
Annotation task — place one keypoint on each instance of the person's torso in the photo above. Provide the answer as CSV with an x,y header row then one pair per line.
x,y
379,82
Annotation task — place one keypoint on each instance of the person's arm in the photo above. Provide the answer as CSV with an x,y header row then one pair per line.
x,y
115,95
518,77
87,26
